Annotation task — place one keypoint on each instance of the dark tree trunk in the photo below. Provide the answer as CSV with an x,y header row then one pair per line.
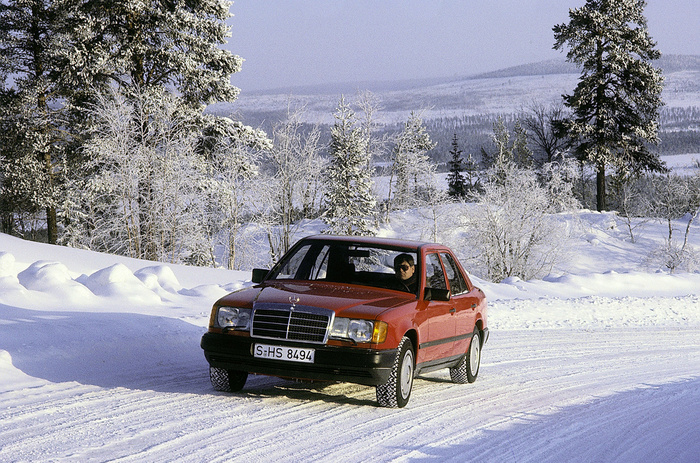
x,y
600,188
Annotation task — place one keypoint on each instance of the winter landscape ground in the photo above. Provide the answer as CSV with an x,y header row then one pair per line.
x,y
598,362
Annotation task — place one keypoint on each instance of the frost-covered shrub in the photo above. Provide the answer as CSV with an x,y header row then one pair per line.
x,y
674,257
675,197
512,231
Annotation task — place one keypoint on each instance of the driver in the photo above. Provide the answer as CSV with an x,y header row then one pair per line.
x,y
405,270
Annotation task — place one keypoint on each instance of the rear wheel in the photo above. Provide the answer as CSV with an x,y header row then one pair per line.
x,y
227,380
467,369
397,390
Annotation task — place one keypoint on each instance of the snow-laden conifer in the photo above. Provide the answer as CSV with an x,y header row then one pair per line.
x,y
173,45
349,200
31,135
616,102
412,171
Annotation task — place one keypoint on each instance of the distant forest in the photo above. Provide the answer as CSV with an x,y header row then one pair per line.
x,y
679,132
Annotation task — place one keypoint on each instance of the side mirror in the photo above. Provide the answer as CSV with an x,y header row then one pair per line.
x,y
436,294
259,275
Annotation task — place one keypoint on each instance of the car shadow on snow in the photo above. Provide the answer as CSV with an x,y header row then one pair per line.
x,y
649,423
106,349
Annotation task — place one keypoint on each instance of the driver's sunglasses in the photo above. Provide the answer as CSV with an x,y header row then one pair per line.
x,y
404,267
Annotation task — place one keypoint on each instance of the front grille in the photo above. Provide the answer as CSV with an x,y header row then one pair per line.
x,y
304,324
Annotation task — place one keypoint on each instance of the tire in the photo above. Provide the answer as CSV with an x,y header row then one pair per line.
x,y
227,380
396,392
467,369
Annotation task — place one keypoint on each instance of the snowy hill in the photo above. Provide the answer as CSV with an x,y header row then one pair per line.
x,y
506,91
600,361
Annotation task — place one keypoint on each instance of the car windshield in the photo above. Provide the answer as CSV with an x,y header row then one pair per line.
x,y
341,262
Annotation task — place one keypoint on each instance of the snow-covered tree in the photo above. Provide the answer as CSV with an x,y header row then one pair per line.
x,y
141,181
227,193
616,102
510,150
151,43
349,199
32,138
471,173
512,230
676,198
369,106
61,56
632,200
296,183
412,171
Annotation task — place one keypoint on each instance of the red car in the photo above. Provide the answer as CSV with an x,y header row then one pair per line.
x,y
353,309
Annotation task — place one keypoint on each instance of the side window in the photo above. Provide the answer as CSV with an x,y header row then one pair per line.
x,y
457,283
434,276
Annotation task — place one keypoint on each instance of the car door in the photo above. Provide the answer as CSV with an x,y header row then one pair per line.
x,y
464,301
441,322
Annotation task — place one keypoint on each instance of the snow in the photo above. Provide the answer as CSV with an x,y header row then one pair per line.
x,y
599,361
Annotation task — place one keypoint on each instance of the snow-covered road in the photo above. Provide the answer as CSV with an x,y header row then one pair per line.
x,y
135,388
100,361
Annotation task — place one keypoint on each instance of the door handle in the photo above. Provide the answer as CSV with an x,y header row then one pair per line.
x,y
453,310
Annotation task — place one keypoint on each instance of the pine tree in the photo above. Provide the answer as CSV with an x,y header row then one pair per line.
x,y
152,43
455,179
32,138
349,198
144,48
616,102
62,55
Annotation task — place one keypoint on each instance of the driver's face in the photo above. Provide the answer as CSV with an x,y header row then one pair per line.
x,y
404,270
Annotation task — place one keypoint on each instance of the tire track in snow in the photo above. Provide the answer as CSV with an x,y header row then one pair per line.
x,y
549,380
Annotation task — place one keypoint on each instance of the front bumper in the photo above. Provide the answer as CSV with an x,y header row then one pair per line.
x,y
354,365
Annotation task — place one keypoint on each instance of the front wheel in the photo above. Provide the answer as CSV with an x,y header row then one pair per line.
x,y
227,380
467,369
397,390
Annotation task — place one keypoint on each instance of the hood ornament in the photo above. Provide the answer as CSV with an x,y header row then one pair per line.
x,y
294,300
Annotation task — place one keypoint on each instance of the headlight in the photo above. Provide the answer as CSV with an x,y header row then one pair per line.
x,y
359,330
233,317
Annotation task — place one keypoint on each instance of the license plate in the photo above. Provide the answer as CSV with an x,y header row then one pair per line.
x,y
289,354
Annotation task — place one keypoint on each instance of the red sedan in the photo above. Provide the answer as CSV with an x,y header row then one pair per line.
x,y
364,310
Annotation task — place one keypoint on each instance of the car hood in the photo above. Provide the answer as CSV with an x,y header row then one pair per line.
x,y
344,300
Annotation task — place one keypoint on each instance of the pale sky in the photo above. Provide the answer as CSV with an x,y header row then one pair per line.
x,y
300,42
